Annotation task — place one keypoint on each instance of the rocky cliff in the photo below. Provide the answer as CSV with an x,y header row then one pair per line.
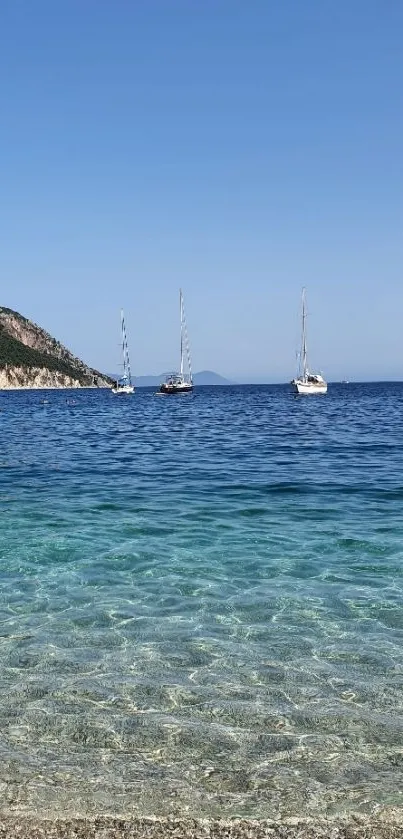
x,y
31,358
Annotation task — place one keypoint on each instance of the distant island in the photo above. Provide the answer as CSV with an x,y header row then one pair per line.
x,y
205,377
31,358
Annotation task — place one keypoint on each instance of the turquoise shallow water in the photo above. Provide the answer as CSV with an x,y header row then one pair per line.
x,y
201,604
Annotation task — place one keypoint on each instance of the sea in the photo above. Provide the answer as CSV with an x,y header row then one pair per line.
x,y
201,602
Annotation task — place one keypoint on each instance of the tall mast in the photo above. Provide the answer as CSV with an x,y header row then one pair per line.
x,y
181,316
184,340
125,350
304,350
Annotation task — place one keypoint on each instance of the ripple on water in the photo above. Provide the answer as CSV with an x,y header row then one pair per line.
x,y
201,602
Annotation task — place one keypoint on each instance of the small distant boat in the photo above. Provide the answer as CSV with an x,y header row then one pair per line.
x,y
180,382
307,382
124,385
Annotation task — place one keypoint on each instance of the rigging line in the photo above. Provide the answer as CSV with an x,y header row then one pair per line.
x,y
186,340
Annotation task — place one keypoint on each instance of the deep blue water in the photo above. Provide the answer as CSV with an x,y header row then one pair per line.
x,y
201,601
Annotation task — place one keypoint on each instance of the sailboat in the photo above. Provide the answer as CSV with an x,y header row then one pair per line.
x,y
307,382
180,382
124,383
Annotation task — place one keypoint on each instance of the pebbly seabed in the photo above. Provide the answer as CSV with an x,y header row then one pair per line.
x,y
386,825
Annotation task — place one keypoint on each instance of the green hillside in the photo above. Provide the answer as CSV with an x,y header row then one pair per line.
x,y
18,359
15,354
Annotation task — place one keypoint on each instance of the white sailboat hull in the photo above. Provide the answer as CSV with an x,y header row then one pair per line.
x,y
307,383
126,390
309,388
123,385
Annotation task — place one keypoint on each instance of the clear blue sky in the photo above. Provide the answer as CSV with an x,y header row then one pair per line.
x,y
239,148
